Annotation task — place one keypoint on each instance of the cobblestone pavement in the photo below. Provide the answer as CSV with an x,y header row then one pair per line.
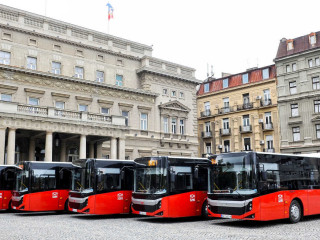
x,y
74,226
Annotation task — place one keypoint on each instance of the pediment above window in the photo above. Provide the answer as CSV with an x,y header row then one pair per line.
x,y
175,105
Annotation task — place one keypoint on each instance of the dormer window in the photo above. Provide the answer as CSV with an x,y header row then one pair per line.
x,y
289,45
312,38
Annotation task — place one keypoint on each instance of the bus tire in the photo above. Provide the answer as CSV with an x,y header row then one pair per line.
x,y
295,212
204,210
10,207
66,206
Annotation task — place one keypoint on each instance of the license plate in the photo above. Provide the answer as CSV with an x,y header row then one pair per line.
x,y
74,210
142,213
226,216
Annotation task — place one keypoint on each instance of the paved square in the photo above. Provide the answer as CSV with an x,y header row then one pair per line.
x,y
75,226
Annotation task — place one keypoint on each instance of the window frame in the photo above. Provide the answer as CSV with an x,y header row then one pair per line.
x,y
30,65
77,74
265,73
315,83
144,122
225,83
5,94
54,70
296,132
206,87
98,78
119,80
245,80
4,60
294,110
293,87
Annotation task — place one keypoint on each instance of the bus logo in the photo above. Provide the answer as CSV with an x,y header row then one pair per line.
x,y
0,195
280,198
120,196
55,195
192,198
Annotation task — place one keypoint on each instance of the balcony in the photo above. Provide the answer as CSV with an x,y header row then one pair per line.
x,y
205,113
246,129
245,106
225,131
264,103
225,110
206,134
270,150
61,114
267,126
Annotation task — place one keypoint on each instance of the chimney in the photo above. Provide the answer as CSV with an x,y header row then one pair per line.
x,y
223,74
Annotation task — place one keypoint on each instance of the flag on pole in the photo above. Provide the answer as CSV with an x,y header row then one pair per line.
x,y
110,11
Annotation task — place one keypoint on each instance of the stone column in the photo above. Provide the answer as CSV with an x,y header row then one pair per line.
x,y
32,148
122,148
113,146
99,150
2,144
91,150
63,151
48,150
11,146
83,145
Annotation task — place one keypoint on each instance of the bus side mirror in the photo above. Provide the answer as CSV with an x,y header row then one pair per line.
x,y
264,176
196,173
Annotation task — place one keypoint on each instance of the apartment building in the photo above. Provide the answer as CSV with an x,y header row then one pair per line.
x,y
68,92
239,112
298,74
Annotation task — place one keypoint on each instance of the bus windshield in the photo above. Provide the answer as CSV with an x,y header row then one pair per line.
x,y
78,179
43,179
22,181
150,177
233,174
108,179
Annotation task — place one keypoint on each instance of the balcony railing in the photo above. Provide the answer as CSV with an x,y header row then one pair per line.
x,y
245,106
99,117
67,114
271,150
225,110
225,131
205,113
34,110
264,102
244,129
54,113
268,126
206,134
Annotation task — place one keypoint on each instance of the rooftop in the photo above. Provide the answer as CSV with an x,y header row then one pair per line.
x,y
297,45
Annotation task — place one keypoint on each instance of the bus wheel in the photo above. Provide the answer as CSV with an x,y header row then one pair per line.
x,y
204,210
295,212
66,206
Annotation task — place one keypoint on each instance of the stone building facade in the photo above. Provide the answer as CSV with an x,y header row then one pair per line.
x,y
239,112
298,73
69,92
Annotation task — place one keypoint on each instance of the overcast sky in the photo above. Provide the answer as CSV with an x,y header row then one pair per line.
x,y
231,35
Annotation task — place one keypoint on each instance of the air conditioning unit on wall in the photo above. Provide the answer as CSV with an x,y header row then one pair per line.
x,y
220,146
258,97
260,120
261,142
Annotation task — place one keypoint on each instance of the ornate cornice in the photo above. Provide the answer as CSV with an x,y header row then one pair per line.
x,y
78,44
68,83
164,73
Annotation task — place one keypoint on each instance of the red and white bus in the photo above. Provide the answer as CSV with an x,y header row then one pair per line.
x,y
103,186
43,186
7,180
170,186
264,186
